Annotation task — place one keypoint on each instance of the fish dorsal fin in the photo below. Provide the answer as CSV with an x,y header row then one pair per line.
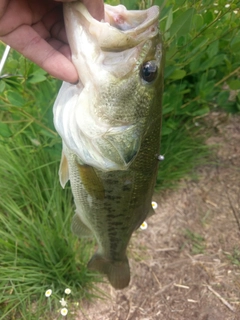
x,y
92,183
63,170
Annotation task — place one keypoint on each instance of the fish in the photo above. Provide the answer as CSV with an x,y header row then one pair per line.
x,y
110,126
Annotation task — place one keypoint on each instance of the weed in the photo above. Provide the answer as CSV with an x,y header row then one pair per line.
x,y
196,242
235,257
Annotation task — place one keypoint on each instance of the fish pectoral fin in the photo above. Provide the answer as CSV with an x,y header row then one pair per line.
x,y
91,182
126,143
79,228
63,171
117,272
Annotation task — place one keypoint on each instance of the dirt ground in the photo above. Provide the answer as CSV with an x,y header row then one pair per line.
x,y
186,264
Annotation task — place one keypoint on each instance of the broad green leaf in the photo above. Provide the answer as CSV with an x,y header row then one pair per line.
x,y
179,3
171,51
14,82
4,130
235,41
36,78
212,73
181,41
15,98
168,108
182,23
169,21
197,21
234,84
178,74
198,45
11,66
236,47
212,49
168,25
207,89
208,17
222,98
201,111
213,62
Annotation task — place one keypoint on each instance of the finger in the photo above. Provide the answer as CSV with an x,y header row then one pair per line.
x,y
28,42
3,7
54,22
61,47
57,31
96,8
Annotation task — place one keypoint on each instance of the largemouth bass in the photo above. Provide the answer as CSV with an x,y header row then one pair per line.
x,y
110,126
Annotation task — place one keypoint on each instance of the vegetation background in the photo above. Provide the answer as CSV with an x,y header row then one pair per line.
x,y
37,250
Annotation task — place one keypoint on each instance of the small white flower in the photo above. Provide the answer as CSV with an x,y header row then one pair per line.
x,y
227,5
154,205
215,4
63,302
235,11
48,293
216,11
64,311
144,226
67,291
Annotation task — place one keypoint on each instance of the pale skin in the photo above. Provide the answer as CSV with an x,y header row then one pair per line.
x,y
35,28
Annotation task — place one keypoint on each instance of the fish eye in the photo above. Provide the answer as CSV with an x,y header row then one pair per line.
x,y
149,71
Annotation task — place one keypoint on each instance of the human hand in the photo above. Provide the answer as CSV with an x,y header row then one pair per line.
x,y
36,30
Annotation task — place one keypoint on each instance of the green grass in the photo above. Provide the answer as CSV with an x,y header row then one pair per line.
x,y
37,249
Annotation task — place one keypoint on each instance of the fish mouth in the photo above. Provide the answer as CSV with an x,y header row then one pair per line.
x,y
122,29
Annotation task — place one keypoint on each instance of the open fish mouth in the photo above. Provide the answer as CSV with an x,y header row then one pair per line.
x,y
121,28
